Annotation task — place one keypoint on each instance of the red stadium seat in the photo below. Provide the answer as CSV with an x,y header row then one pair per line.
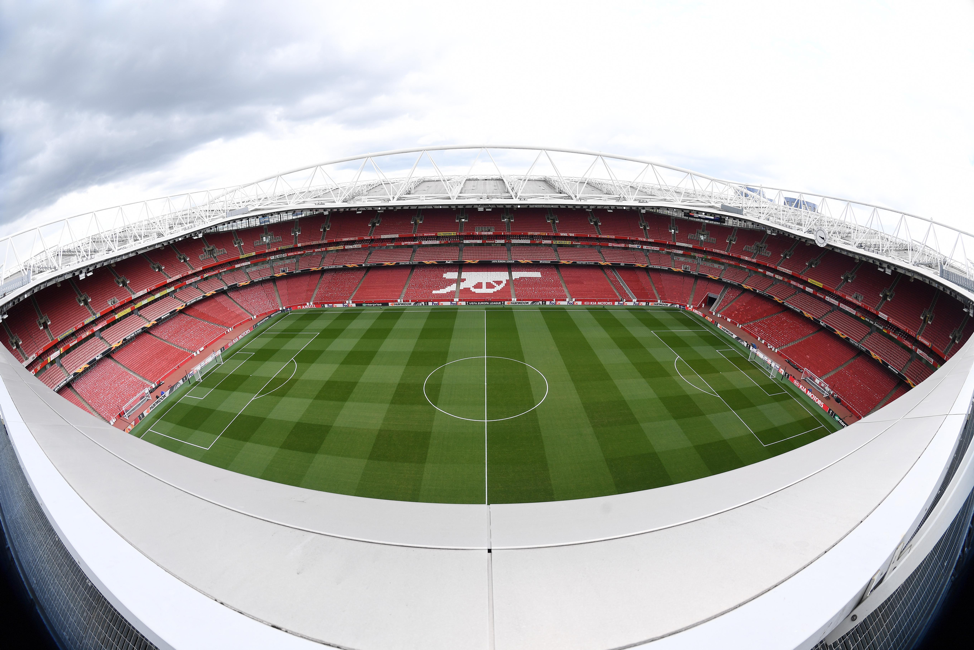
x,y
188,333
588,283
123,328
886,349
348,225
530,220
382,284
150,358
82,355
673,288
751,307
484,282
395,222
852,327
259,299
781,329
579,254
60,304
437,254
437,221
218,310
620,223
298,290
863,385
573,222
637,280
337,286
427,279
108,387
820,353
394,254
537,282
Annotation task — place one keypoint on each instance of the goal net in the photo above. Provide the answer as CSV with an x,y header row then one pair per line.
x,y
211,363
763,363
816,382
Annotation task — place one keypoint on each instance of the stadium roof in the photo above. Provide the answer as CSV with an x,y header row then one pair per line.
x,y
487,175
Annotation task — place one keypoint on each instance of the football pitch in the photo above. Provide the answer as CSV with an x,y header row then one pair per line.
x,y
485,404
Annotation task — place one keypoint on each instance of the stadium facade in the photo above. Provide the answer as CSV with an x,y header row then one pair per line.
x,y
848,542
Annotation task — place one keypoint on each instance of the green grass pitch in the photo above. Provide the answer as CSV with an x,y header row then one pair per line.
x,y
473,404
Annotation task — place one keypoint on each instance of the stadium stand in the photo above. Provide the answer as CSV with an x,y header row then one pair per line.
x,y
68,393
533,253
382,284
188,333
82,354
684,263
734,274
781,290
285,265
730,295
867,285
483,221
52,375
660,259
259,299
218,310
587,283
123,328
948,316
188,294
159,308
10,348
386,255
311,229
496,289
337,286
150,358
427,279
863,384
751,307
544,286
138,271
297,290
475,253
917,371
617,284
851,326
673,288
800,257
259,272
758,281
830,269
103,291
687,232
530,220
747,238
579,254
22,321
623,255
781,329
108,387
821,353
310,261
965,334
348,225
168,259
637,280
909,300
395,222
437,254
224,247
250,240
886,349
622,223
60,305
234,277
703,289
774,247
658,227
437,221
709,269
212,283
350,256
574,222
809,304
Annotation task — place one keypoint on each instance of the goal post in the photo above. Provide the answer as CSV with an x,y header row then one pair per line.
x,y
763,363
208,365
816,382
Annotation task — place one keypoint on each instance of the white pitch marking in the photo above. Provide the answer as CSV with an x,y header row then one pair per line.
x,y
478,419
721,353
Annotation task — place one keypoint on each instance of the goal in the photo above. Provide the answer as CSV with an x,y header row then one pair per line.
x,y
816,383
211,363
763,363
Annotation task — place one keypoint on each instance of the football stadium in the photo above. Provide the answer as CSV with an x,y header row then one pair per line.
x,y
488,397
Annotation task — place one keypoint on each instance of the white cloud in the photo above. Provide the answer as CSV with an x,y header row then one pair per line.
x,y
866,100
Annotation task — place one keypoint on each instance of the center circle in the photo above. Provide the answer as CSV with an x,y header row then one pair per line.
x,y
493,388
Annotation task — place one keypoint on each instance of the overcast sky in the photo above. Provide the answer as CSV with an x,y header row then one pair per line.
x,y
107,102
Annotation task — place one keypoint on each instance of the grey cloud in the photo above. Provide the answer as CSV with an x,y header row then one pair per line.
x,y
91,93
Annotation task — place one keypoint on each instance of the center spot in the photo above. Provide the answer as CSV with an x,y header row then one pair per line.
x,y
485,389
